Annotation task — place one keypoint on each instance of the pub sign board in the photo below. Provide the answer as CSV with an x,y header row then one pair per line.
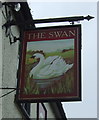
x,y
50,64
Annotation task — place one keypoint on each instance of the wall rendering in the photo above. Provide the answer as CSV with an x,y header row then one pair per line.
x,y
8,73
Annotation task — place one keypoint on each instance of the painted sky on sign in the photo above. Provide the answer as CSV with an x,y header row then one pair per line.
x,y
51,46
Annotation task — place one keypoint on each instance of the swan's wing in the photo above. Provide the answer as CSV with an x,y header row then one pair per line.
x,y
59,66
59,62
50,59
55,66
47,70
45,73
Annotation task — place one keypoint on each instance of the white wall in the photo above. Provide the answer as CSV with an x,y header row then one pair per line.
x,y
0,63
33,110
9,70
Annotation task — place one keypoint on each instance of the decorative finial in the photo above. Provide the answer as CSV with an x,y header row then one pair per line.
x,y
89,17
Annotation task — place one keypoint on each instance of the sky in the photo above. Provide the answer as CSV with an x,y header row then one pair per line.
x,y
87,108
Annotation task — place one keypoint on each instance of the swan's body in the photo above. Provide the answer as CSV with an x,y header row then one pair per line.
x,y
50,67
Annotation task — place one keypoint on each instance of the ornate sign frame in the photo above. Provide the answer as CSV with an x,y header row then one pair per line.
x,y
50,64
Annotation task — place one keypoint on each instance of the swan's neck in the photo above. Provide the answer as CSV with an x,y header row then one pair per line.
x,y
38,66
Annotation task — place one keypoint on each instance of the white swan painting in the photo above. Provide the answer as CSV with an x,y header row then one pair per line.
x,y
52,66
49,62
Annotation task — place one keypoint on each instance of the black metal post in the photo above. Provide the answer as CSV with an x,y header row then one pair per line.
x,y
50,20
63,19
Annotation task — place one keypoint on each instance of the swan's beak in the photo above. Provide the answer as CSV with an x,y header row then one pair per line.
x,y
33,57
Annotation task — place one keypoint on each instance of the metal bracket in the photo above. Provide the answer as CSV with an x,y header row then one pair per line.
x,y
6,88
9,23
7,92
63,19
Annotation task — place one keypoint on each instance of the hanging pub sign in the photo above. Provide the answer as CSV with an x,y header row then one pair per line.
x,y
50,64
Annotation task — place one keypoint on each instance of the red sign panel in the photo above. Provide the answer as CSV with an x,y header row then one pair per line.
x,y
50,64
